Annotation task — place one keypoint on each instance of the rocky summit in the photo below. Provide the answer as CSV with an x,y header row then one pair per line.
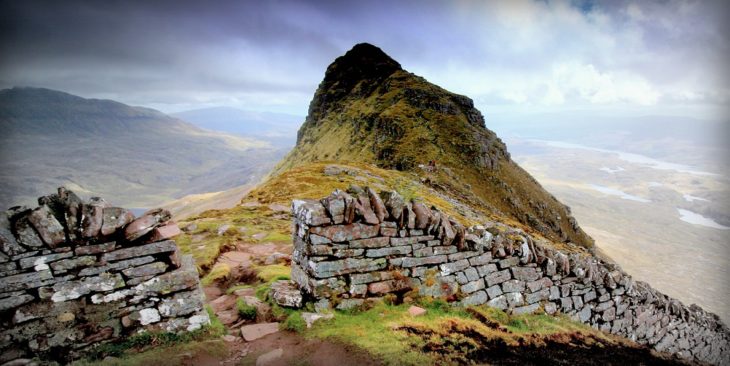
x,y
368,109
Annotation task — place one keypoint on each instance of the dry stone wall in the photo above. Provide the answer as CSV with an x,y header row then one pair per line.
x,y
348,248
74,274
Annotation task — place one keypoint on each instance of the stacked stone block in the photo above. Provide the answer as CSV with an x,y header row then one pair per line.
x,y
74,274
348,248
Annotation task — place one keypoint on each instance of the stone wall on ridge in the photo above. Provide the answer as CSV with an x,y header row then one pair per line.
x,y
348,248
74,274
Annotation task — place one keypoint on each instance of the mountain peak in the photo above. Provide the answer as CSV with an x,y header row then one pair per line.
x,y
369,110
363,61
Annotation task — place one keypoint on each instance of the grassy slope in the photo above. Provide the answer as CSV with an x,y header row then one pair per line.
x,y
390,129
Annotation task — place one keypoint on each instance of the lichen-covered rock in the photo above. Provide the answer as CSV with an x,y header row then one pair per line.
x,y
310,212
286,294
182,303
343,233
115,218
395,205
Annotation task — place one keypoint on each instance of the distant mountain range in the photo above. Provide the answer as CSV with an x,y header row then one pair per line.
x,y
278,128
135,156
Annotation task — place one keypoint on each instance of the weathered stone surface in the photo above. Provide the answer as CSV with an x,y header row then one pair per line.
x,y
73,210
513,286
345,266
186,277
450,249
164,232
527,309
139,251
116,266
311,318
364,210
49,229
95,249
410,240
449,268
8,244
15,301
182,303
473,286
508,262
537,296
255,331
286,294
149,269
477,298
377,204
70,290
383,287
335,206
415,262
92,217
423,215
394,203
26,234
344,233
390,251
378,242
494,291
71,263
525,273
497,277
146,223
40,262
115,218
499,302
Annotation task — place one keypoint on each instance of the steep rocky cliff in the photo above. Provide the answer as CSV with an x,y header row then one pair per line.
x,y
369,110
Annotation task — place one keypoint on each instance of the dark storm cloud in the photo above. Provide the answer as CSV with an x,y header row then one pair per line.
x,y
272,54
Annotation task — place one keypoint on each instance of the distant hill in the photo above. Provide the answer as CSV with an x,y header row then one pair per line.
x,y
135,156
277,128
369,110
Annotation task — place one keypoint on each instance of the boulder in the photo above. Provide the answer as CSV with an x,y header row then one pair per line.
x,y
365,211
311,318
422,215
287,294
395,205
416,311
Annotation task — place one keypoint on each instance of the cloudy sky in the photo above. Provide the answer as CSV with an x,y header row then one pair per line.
x,y
637,57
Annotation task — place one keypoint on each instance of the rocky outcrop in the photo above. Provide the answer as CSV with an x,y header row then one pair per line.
x,y
343,259
75,273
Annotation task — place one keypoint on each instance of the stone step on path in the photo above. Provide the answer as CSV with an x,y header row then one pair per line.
x,y
253,332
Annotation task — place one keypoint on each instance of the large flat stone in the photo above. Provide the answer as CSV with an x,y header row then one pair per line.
x,y
344,233
422,261
40,262
64,291
116,266
345,266
255,331
378,242
139,251
149,269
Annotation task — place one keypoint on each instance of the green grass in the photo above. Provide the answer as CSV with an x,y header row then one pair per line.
x,y
394,337
219,271
273,272
246,311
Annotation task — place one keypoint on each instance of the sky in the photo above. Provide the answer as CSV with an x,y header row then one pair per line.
x,y
520,56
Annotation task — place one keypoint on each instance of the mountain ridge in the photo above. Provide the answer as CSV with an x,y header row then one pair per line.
x,y
135,156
